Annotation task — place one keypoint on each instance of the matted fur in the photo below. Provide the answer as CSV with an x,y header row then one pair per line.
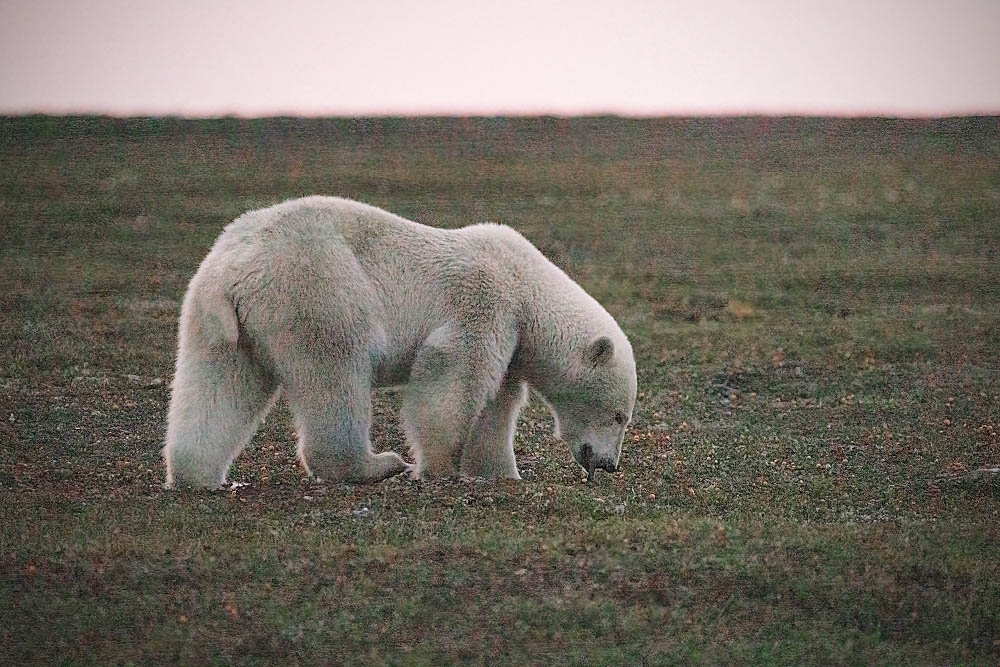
x,y
326,298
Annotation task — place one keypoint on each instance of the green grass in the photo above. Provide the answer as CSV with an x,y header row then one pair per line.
x,y
814,309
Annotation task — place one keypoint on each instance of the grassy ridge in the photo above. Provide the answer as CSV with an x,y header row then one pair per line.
x,y
813,304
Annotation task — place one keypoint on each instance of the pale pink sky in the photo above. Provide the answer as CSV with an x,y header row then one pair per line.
x,y
642,57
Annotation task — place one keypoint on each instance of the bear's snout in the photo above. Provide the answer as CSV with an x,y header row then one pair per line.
x,y
592,462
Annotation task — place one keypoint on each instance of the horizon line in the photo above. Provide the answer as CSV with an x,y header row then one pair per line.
x,y
898,114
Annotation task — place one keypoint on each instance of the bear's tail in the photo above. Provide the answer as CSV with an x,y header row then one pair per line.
x,y
211,312
224,311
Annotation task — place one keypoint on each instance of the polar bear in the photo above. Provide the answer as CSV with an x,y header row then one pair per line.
x,y
326,298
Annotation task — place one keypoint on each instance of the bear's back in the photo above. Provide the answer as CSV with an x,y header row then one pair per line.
x,y
318,218
323,228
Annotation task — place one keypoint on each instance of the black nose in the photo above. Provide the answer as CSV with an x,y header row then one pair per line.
x,y
609,466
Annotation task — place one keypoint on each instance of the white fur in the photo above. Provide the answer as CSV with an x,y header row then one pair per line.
x,y
326,298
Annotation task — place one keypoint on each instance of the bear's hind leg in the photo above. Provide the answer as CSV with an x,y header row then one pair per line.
x,y
333,413
219,397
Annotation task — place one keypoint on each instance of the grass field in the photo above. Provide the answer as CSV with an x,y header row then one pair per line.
x,y
814,309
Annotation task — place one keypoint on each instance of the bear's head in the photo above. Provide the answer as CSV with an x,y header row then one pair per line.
x,y
594,405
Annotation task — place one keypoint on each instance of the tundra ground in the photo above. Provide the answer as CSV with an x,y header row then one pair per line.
x,y
810,477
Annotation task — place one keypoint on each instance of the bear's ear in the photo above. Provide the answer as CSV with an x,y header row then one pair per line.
x,y
600,351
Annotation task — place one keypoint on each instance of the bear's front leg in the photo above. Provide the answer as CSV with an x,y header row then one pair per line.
x,y
454,376
489,452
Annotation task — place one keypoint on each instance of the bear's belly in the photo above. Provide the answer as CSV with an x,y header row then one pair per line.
x,y
403,326
395,358
391,374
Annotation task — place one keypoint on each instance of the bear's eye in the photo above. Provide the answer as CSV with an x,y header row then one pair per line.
x,y
619,417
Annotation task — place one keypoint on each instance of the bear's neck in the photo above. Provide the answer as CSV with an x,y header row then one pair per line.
x,y
557,324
